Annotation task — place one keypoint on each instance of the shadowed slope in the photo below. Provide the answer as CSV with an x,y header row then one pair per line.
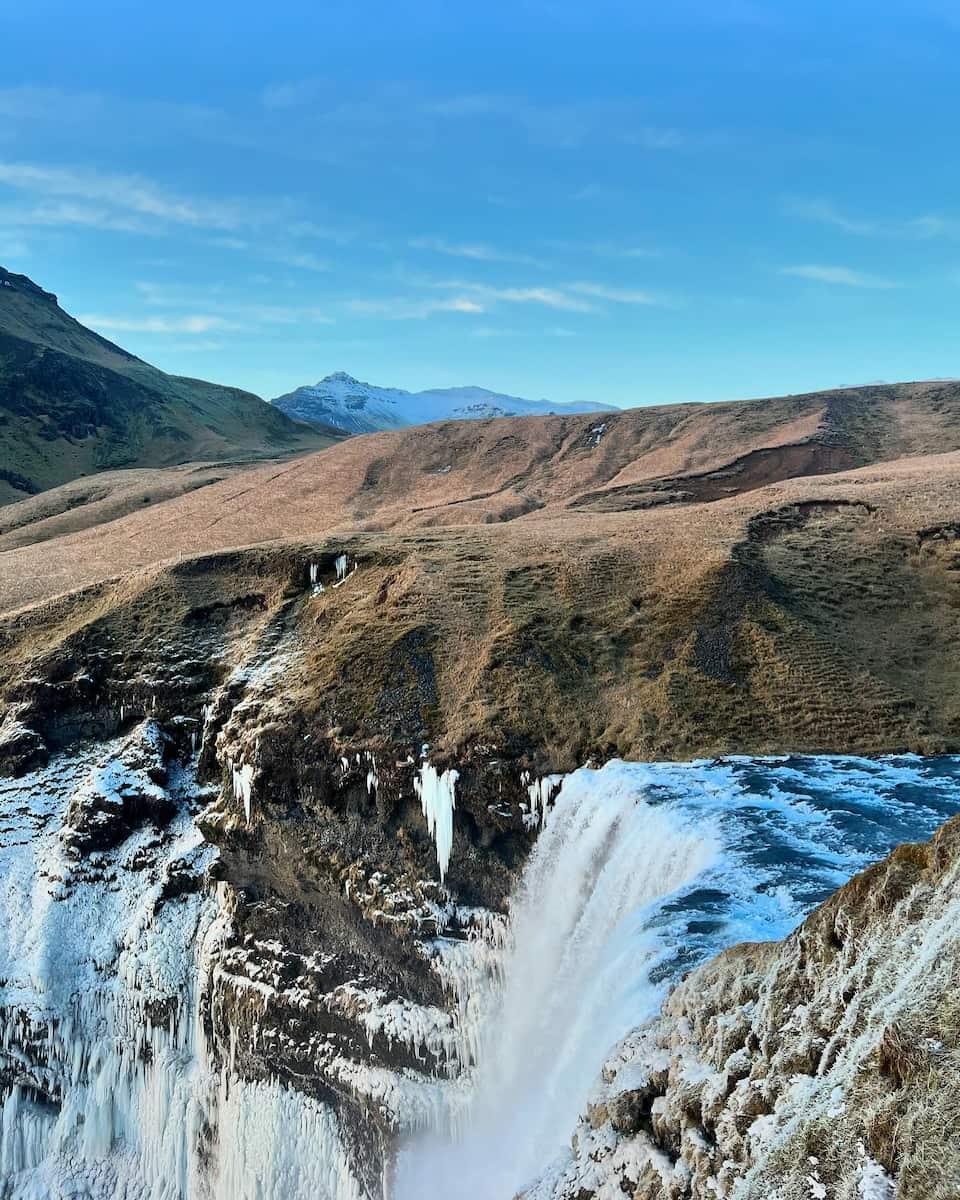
x,y
72,403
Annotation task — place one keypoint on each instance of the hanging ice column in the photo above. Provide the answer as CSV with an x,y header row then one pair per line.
x,y
243,787
438,800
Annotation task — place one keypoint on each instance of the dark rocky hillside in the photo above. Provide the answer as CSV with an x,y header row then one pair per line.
x,y
72,403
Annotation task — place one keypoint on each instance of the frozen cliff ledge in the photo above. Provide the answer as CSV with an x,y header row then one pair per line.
x,y
823,1067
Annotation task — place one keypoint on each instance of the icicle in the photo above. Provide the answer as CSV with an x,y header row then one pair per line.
x,y
438,800
540,793
373,780
242,787
341,567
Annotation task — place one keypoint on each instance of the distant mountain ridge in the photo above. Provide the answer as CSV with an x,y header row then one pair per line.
x,y
353,406
72,404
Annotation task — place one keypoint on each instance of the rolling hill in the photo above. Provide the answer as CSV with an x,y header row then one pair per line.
x,y
73,403
666,581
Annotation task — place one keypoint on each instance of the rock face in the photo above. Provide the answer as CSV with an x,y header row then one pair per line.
x,y
823,1066
277,865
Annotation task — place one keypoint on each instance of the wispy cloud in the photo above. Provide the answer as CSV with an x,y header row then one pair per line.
x,y
477,251
63,214
838,276
63,197
303,260
221,312
825,213
476,298
397,111
926,225
188,324
578,297
618,295
564,125
128,193
403,308
935,226
626,250
547,296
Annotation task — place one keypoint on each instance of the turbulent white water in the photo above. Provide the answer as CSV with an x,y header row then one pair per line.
x,y
570,984
106,1092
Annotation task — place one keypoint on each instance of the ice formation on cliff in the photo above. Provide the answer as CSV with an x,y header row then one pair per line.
x,y
242,787
106,1089
438,800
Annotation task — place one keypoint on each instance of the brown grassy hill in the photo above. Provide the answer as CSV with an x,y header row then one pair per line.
x,y
812,614
516,471
72,403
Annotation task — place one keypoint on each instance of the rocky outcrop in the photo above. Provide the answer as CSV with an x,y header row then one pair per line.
x,y
826,1066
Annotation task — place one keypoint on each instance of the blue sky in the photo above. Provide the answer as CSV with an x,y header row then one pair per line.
x,y
619,201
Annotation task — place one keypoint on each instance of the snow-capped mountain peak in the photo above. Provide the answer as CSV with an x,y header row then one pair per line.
x,y
354,406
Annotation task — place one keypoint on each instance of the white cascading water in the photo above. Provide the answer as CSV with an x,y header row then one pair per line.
x,y
640,872
575,978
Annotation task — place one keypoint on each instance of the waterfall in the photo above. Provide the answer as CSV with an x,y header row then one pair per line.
x,y
640,872
575,976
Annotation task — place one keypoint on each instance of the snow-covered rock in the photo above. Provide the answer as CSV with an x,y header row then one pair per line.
x,y
355,407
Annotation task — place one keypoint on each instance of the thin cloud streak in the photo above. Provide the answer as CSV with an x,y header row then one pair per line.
x,y
578,297
401,308
189,324
479,252
838,276
927,225
132,193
